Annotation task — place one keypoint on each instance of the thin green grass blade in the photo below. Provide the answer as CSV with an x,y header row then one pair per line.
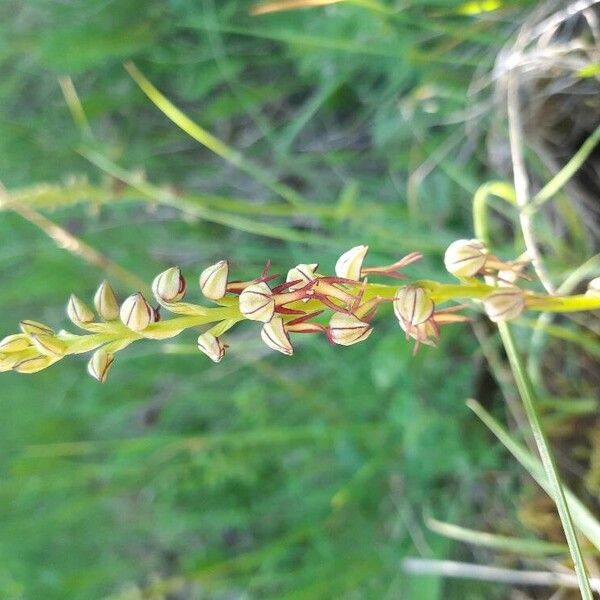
x,y
585,520
497,542
208,140
555,485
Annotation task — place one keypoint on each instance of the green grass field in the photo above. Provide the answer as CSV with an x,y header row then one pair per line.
x,y
310,477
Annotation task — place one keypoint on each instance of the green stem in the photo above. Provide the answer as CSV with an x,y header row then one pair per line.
x,y
557,492
563,176
528,398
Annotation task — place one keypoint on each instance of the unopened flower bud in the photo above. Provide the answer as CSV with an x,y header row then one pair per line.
x,y
106,303
78,311
30,327
412,305
465,258
48,345
345,329
303,274
213,280
32,364
257,302
593,289
504,304
212,346
275,336
7,361
169,286
349,264
136,313
14,343
100,363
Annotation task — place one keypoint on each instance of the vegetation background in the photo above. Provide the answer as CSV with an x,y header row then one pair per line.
x,y
264,476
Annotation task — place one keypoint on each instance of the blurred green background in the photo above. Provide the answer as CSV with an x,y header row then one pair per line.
x,y
264,476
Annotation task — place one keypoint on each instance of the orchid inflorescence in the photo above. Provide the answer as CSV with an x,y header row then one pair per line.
x,y
293,307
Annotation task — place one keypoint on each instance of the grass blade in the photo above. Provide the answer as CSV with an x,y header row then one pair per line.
x,y
585,520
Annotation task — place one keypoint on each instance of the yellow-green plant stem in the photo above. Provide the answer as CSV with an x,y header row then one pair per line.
x,y
528,398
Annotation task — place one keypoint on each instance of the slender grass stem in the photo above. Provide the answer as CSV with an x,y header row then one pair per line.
x,y
557,492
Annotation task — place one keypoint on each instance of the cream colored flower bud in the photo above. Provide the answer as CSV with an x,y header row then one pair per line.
x,y
412,305
350,263
212,346
169,286
257,302
100,363
465,258
106,303
30,327
504,304
593,289
347,329
136,313
275,336
78,311
14,343
303,274
213,280
32,364
48,345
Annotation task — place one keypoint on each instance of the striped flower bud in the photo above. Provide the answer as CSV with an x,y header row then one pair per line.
x,y
504,304
212,346
78,311
48,345
275,336
257,302
14,343
412,305
136,313
303,274
32,364
345,329
100,363
169,286
465,258
213,280
593,290
7,361
30,327
349,264
106,303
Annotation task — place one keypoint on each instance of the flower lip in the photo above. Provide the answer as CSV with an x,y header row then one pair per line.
x,y
349,264
276,337
257,302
